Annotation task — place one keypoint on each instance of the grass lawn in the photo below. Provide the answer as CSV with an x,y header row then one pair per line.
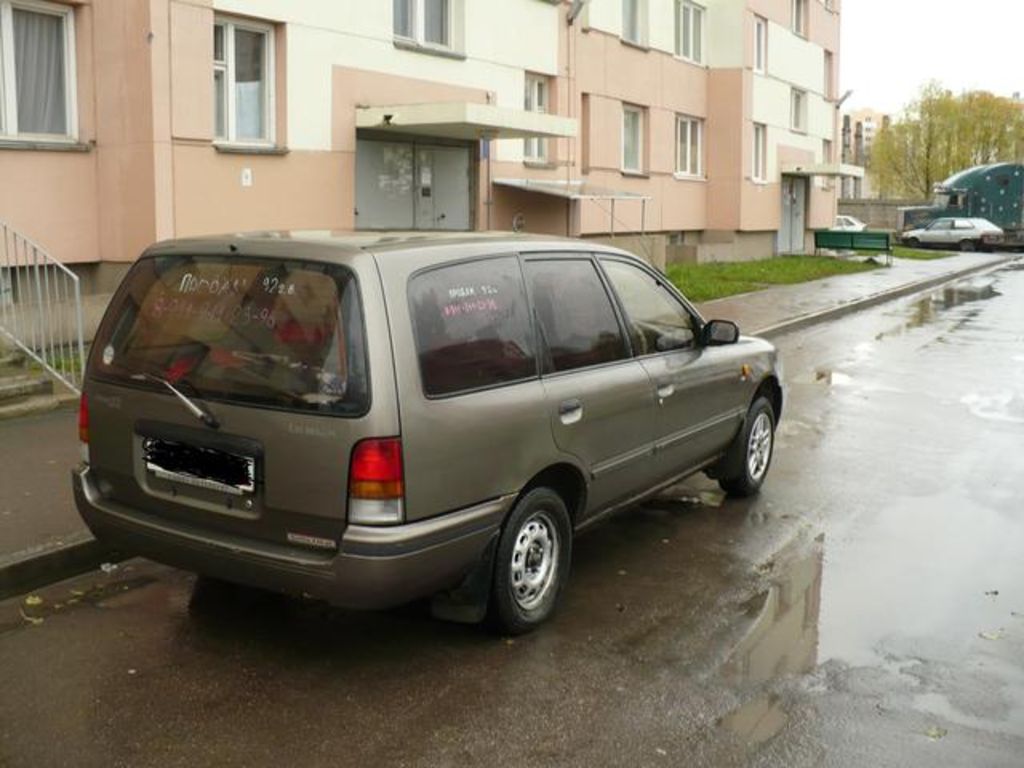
x,y
902,252
703,282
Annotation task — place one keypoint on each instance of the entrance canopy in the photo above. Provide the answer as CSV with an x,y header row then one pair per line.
x,y
829,170
464,120
572,190
580,190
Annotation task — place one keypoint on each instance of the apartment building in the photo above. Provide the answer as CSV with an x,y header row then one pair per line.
x,y
859,129
683,129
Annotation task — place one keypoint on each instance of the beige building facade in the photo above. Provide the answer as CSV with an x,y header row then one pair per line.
x,y
685,130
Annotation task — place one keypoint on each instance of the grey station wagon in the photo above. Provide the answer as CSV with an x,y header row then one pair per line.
x,y
374,419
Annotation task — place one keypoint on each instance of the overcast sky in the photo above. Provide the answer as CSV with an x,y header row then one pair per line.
x,y
890,48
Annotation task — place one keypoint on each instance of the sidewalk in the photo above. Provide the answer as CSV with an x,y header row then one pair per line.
x,y
43,540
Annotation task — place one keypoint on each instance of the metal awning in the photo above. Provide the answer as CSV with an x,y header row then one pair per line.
x,y
831,170
570,190
464,120
581,190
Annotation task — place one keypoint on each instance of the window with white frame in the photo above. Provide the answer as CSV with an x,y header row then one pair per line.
x,y
424,21
243,81
690,31
829,75
37,70
689,146
633,21
632,138
760,44
798,103
799,16
759,172
536,100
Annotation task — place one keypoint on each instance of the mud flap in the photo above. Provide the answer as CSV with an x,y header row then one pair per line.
x,y
467,603
731,463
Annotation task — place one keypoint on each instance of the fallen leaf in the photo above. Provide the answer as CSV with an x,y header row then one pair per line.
x,y
622,573
108,567
132,671
997,635
935,733
992,593
660,751
712,498
33,600
77,593
35,621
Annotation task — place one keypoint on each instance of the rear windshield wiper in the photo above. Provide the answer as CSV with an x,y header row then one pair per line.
x,y
203,415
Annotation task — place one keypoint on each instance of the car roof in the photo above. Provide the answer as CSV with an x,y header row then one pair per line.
x,y
334,245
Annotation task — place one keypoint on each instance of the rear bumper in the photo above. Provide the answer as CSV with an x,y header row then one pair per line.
x,y
373,567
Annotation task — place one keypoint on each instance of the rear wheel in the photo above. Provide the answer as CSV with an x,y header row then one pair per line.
x,y
532,562
913,242
755,443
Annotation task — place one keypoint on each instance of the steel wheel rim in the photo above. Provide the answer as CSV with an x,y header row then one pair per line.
x,y
759,447
534,563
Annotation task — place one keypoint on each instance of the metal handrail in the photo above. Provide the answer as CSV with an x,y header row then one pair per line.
x,y
41,307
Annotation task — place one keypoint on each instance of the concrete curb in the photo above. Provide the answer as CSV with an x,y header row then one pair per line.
x,y
832,313
49,563
80,552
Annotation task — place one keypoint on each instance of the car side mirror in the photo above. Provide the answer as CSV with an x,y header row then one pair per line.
x,y
716,333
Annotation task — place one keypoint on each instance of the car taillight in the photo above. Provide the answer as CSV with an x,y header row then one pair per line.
x,y
376,484
83,428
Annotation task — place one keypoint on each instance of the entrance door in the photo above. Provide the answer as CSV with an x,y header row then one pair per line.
x,y
407,185
442,188
792,228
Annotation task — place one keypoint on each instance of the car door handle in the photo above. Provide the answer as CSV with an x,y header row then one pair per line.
x,y
570,411
666,390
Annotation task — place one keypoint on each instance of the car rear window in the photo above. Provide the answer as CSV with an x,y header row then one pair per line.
x,y
472,326
269,332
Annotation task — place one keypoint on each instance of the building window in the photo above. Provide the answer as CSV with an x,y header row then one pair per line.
x,y
243,83
633,21
536,100
632,138
799,16
760,44
826,151
425,21
829,75
760,169
690,31
37,70
798,118
689,146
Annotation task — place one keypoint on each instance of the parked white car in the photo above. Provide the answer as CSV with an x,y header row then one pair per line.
x,y
955,234
848,224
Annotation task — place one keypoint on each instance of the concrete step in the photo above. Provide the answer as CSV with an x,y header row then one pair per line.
x,y
18,387
34,404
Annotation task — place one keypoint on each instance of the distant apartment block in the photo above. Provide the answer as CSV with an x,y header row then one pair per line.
x,y
860,127
681,128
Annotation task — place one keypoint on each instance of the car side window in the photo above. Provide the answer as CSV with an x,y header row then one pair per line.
x,y
940,224
657,321
472,326
963,224
575,315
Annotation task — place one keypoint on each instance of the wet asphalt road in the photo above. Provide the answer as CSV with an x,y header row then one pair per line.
x,y
866,609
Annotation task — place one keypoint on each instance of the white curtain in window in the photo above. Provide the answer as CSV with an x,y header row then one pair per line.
x,y
403,18
39,72
250,106
435,22
631,140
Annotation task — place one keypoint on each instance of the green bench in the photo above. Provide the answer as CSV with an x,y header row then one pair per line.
x,y
871,242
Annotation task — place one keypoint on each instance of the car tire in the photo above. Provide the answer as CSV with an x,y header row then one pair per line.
x,y
531,564
968,245
755,443
913,242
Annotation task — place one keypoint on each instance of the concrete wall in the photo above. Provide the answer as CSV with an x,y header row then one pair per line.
x,y
877,214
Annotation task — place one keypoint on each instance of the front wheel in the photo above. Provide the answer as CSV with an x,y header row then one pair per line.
x,y
968,245
756,441
532,562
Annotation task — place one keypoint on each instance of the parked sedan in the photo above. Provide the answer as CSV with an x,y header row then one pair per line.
x,y
848,224
961,234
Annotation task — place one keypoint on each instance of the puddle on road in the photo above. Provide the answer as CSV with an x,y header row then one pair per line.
x,y
1004,405
782,641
